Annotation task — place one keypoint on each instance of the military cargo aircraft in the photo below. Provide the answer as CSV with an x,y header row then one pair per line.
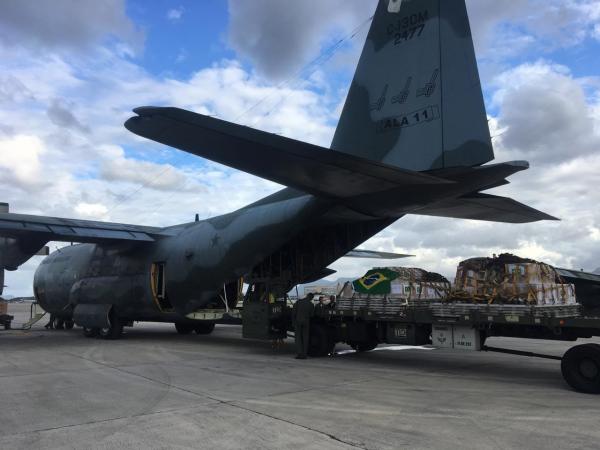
x,y
413,138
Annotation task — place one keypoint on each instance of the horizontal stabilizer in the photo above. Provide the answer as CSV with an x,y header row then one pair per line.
x,y
74,230
571,275
371,254
485,207
306,167
45,251
323,273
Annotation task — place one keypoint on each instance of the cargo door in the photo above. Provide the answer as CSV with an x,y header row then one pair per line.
x,y
158,284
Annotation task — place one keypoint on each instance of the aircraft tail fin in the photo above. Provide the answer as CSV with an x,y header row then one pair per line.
x,y
415,101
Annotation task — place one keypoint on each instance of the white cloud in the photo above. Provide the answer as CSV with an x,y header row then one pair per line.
x,y
20,160
175,14
545,114
94,211
280,37
65,24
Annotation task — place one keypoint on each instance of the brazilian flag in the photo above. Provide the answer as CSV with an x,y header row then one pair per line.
x,y
376,281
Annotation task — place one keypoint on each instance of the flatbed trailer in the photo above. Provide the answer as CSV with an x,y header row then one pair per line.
x,y
427,323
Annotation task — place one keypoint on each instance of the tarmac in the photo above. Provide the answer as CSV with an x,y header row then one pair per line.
x,y
156,389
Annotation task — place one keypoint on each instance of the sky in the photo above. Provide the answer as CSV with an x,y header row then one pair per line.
x,y
71,72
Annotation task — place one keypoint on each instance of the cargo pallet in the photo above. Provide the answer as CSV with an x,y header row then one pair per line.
x,y
422,323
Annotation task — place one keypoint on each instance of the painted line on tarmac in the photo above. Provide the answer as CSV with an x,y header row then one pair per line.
x,y
391,348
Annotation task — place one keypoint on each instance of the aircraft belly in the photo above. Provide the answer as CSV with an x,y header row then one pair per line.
x,y
223,249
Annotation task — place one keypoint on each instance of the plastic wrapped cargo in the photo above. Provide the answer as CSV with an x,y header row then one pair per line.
x,y
406,283
510,279
388,289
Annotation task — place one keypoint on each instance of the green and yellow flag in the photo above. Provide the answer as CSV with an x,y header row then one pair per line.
x,y
376,281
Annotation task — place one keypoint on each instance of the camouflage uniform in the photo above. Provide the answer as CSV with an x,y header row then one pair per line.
x,y
302,312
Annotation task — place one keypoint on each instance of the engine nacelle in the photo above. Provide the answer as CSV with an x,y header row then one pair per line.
x,y
56,275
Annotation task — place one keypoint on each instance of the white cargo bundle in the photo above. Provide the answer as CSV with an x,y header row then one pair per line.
x,y
409,290
387,290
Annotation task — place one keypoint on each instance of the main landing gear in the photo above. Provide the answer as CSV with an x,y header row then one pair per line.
x,y
113,331
198,328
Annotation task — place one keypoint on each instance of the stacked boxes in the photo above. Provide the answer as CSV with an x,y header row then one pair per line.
x,y
456,337
510,279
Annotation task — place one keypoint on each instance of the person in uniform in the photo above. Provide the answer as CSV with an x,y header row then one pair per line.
x,y
321,306
332,302
301,314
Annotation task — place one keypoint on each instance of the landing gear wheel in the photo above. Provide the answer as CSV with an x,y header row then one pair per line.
x,y
113,332
69,324
581,368
59,324
204,328
366,346
184,328
320,341
90,332
115,328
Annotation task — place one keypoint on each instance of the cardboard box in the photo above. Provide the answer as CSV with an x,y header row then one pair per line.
x,y
442,336
466,338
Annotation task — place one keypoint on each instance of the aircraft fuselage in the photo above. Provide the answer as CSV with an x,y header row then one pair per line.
x,y
195,263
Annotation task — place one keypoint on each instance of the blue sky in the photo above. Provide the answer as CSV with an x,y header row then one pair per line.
x,y
70,73
181,37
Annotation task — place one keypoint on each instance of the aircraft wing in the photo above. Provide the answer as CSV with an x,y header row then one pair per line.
x,y
23,236
371,254
47,229
296,164
484,207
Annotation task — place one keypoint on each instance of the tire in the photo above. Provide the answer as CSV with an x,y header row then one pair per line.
x,y
59,324
321,341
363,346
90,332
114,330
580,368
204,328
184,328
69,324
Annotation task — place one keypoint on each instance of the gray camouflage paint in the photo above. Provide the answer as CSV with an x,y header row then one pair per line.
x,y
419,109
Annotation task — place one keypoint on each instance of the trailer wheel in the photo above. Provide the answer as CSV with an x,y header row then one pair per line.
x,y
581,368
204,328
321,341
184,328
90,332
